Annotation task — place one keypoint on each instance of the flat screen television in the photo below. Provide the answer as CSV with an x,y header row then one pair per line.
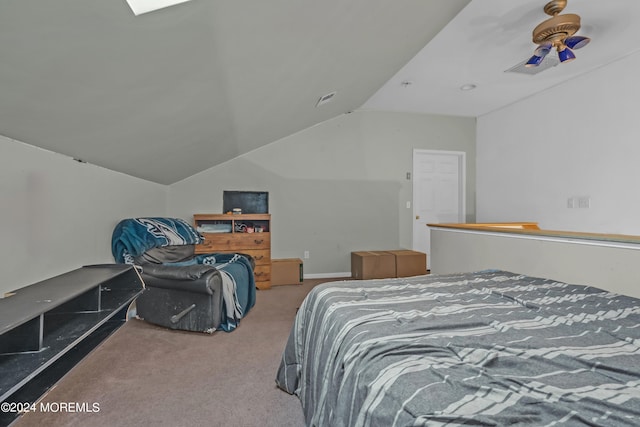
x,y
251,202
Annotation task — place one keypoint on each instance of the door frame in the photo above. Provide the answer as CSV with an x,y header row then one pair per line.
x,y
462,185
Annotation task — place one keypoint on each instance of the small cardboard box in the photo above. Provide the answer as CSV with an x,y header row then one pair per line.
x,y
372,265
286,271
409,263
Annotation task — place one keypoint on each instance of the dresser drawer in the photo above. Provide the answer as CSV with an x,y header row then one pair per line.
x,y
234,242
262,276
263,284
260,256
262,272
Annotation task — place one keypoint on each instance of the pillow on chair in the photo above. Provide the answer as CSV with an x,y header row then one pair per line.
x,y
167,254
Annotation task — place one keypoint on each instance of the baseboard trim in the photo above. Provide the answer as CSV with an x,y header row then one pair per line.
x,y
346,275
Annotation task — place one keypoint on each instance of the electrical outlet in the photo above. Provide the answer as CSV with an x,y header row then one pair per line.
x,y
584,202
306,254
571,202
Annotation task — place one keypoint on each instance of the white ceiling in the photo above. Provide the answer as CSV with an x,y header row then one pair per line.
x,y
489,37
169,93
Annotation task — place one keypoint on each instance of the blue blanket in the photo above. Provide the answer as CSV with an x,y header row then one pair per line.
x,y
134,236
240,268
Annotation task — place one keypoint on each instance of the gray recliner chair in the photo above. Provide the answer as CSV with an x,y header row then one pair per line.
x,y
205,292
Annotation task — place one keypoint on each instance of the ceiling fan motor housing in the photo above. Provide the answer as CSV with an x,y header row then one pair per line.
x,y
554,30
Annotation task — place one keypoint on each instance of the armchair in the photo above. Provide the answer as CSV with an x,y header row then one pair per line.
x,y
206,292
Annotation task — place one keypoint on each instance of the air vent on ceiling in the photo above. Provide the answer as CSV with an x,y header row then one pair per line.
x,y
325,98
548,62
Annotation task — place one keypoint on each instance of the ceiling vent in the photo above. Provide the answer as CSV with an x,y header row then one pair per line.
x,y
325,98
521,68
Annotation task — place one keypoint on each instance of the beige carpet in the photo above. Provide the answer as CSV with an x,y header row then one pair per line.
x,y
144,375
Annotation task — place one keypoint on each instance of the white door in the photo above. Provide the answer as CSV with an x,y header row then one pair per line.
x,y
438,193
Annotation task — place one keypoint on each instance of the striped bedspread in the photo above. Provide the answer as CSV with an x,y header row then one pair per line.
x,y
477,349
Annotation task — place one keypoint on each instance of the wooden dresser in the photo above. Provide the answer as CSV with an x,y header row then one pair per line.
x,y
245,233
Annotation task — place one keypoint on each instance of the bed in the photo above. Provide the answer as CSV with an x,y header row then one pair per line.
x,y
490,348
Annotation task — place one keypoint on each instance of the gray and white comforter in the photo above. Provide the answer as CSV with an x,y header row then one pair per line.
x,y
478,349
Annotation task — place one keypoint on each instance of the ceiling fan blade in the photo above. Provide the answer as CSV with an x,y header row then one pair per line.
x,y
543,49
566,55
534,61
143,6
538,55
576,42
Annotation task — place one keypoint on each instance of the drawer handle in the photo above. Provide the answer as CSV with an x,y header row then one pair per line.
x,y
258,258
259,274
258,242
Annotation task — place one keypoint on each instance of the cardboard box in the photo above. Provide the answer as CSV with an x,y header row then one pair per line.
x,y
372,265
409,263
287,271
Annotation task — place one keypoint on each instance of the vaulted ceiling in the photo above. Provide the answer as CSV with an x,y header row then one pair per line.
x,y
167,94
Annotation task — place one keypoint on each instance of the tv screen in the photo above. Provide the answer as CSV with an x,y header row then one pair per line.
x,y
250,202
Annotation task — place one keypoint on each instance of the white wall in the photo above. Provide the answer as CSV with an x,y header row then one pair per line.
x,y
581,138
337,187
605,265
57,214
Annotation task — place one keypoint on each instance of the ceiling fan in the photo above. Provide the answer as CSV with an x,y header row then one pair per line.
x,y
143,6
557,32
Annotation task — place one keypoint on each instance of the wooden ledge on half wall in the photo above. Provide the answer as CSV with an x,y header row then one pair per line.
x,y
532,229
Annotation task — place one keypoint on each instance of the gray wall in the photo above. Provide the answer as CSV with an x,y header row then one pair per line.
x,y
336,187
57,214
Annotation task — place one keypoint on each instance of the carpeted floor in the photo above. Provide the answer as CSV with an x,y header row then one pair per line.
x,y
146,375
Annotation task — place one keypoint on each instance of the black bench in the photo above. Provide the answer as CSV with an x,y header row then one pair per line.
x,y
43,323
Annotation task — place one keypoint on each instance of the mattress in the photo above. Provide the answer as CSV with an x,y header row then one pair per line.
x,y
489,348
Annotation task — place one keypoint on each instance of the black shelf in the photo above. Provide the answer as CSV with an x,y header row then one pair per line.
x,y
41,323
